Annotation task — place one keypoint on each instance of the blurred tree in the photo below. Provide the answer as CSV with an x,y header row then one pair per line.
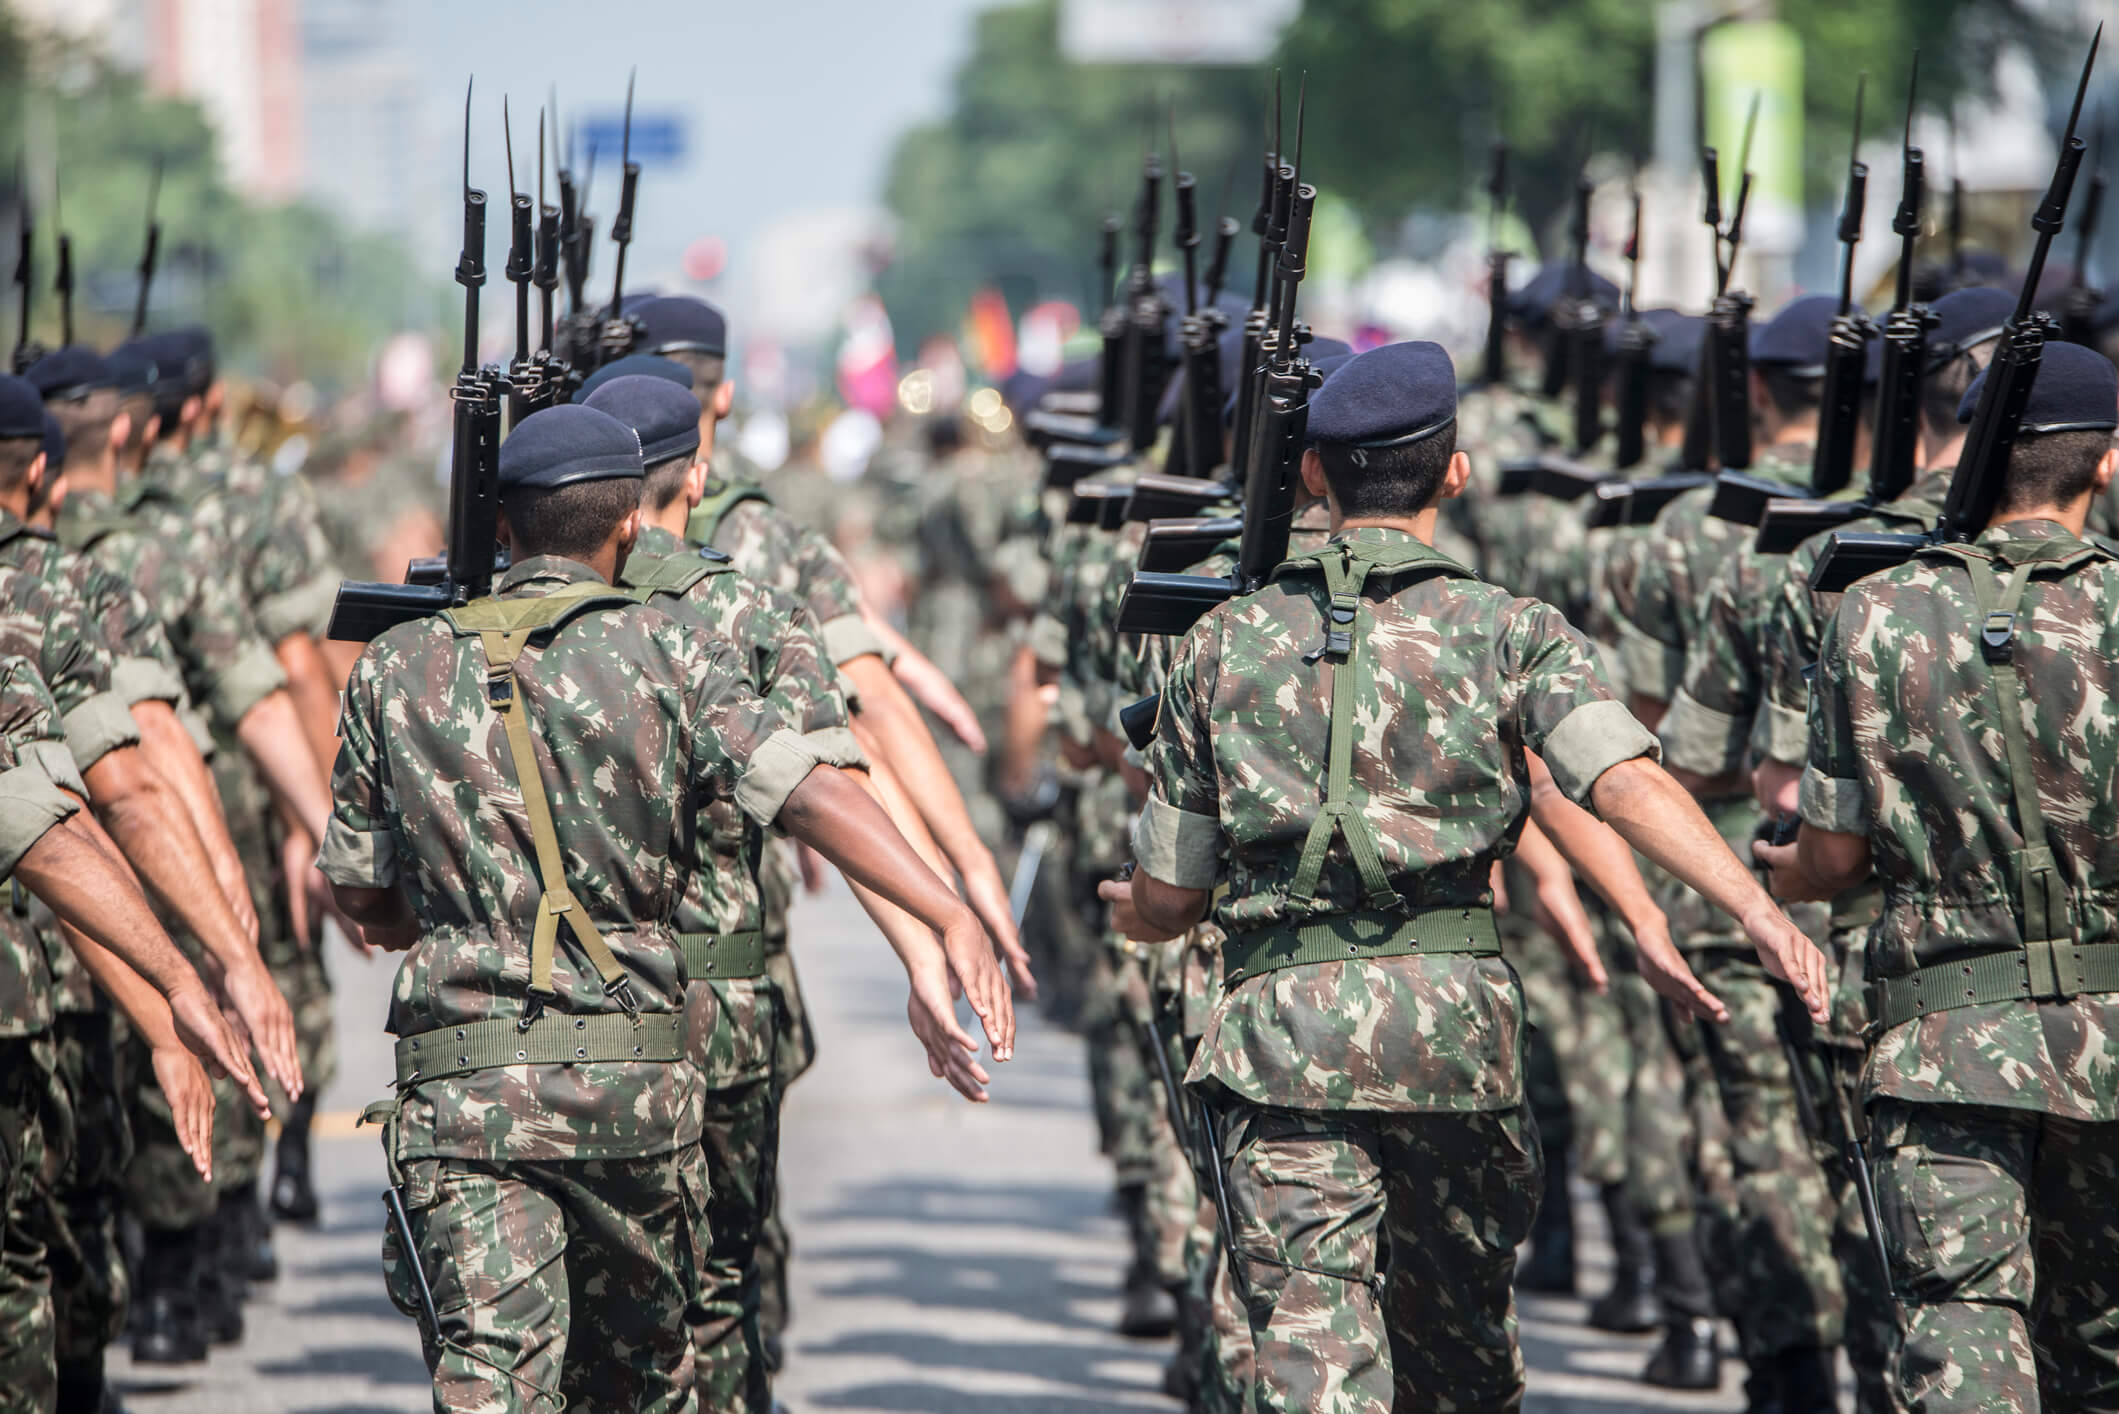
x,y
288,290
1406,97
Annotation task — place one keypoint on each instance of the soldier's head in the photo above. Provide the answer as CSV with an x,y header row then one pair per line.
x,y
132,369
665,416
695,334
25,468
1788,355
1673,361
184,380
2063,453
1384,429
1531,308
1968,324
570,486
81,393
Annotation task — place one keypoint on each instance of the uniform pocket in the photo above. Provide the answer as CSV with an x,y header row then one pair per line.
x,y
425,1194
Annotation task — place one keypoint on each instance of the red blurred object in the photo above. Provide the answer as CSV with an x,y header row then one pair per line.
x,y
990,334
705,258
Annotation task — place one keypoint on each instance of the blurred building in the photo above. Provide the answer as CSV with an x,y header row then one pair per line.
x,y
363,115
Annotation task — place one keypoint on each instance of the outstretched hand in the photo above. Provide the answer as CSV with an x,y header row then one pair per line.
x,y
207,1035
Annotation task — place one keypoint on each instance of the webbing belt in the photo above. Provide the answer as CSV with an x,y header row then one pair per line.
x,y
723,957
504,627
2049,965
552,1039
1361,937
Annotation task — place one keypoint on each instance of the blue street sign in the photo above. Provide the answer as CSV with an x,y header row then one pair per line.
x,y
659,139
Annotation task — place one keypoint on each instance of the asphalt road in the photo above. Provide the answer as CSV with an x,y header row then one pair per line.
x,y
948,1257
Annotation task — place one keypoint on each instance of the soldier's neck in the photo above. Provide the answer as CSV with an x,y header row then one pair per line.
x,y
2075,516
1948,454
1421,527
672,517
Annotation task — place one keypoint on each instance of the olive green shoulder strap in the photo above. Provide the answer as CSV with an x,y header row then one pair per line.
x,y
648,575
504,628
706,517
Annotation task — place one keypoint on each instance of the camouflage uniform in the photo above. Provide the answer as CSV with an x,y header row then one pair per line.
x,y
36,772
1990,1082
734,1005
539,1192
1384,1096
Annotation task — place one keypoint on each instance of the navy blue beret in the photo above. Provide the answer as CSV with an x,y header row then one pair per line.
x,y
70,372
1326,367
665,416
634,366
1532,305
1387,397
1797,339
132,368
565,444
1677,339
21,410
183,360
1232,384
54,445
2076,390
682,324
1965,319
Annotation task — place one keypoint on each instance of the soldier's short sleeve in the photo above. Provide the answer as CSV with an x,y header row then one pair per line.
x,y
359,849
741,748
1791,648
1709,721
226,656
1178,837
39,785
803,686
1832,796
296,583
1647,617
1559,702
835,599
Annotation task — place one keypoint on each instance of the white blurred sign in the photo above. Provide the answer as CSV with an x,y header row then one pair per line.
x,y
1172,31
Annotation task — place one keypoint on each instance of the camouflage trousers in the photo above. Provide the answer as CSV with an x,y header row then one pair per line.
x,y
28,1378
741,1145
2004,1242
162,1189
1767,1207
1121,1087
794,1052
1379,1255
303,980
531,1261
91,1286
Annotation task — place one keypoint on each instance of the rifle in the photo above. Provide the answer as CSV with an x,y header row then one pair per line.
x,y
1172,603
1189,455
1494,371
26,352
1956,217
1976,487
1180,541
2079,306
1147,367
1111,327
570,235
1272,225
1636,344
63,276
1895,448
523,375
1847,354
1582,329
549,374
620,333
466,571
150,253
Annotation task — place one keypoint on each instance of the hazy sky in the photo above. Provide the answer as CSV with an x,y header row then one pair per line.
x,y
792,105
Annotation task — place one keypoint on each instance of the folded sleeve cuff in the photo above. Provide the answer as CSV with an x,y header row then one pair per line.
x,y
1787,734
303,609
781,763
1653,668
99,726
848,637
1590,741
1177,847
145,680
836,746
359,859
1833,803
33,798
243,684
1699,739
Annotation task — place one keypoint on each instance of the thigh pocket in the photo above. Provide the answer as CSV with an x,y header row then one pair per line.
x,y
1949,1184
434,1253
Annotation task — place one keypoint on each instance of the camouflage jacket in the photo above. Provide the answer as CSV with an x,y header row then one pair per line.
x,y
641,724
1721,714
1906,749
187,573
1656,606
1497,425
773,548
39,787
732,1022
272,524
1465,680
1798,617
143,666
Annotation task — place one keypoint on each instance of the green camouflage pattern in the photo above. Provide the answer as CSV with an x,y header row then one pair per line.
x,y
775,549
555,1280
1906,749
1496,425
270,521
2000,1227
1317,1199
1474,678
626,701
740,1141
91,1285
28,1377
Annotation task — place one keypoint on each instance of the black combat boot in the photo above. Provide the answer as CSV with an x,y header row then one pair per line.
x,y
1148,1312
260,1258
1690,1356
1549,1270
293,1191
84,1390
1808,1380
166,1327
1630,1306
223,1264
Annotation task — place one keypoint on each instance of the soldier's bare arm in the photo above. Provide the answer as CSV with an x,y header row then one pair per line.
x,y
1555,906
1821,864
172,751
271,732
1151,911
931,687
314,693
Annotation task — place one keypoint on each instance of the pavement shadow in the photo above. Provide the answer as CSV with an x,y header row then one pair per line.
x,y
922,1398
1074,1209
1028,1286
377,1364
1050,1360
